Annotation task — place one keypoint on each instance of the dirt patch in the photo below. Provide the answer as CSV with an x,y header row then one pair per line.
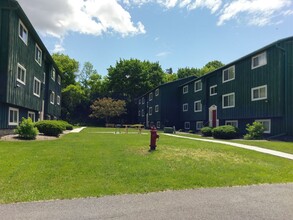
x,y
40,137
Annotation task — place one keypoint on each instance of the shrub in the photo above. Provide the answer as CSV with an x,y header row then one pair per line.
x,y
254,131
206,131
50,128
66,125
26,129
225,132
169,130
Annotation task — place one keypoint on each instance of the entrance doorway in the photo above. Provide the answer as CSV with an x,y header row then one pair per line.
x,y
213,120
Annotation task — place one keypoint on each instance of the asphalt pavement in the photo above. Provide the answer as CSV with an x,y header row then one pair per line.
x,y
267,202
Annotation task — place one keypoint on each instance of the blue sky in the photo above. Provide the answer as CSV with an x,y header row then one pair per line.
x,y
175,33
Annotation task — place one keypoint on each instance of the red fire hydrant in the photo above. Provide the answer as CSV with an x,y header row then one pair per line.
x,y
154,137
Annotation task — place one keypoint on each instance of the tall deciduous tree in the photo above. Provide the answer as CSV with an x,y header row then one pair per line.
x,y
186,72
68,67
210,66
107,108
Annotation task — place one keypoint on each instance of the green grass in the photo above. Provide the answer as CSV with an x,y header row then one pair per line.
x,y
92,164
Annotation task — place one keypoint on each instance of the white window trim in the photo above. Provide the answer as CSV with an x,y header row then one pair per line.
x,y
52,95
31,113
185,110
53,74
185,125
150,110
232,121
196,82
24,27
156,108
258,55
157,92
58,100
59,79
16,110
142,113
38,61
142,101
18,80
223,78
257,88
198,101
197,125
151,96
185,89
158,124
36,94
223,97
266,120
139,101
44,81
211,87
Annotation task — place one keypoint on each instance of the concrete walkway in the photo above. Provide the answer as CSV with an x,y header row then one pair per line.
x,y
248,147
77,130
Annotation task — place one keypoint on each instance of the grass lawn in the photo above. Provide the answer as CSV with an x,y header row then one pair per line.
x,y
94,164
283,146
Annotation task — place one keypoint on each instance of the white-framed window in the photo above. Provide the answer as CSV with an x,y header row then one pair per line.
x,y
44,80
139,101
138,113
229,74
232,122
187,125
142,113
13,116
259,60
213,90
58,100
38,55
142,100
228,100
199,125
22,32
185,89
52,97
185,107
59,79
150,110
21,74
197,86
37,87
259,93
197,106
158,124
156,108
151,96
53,74
267,125
31,115
156,92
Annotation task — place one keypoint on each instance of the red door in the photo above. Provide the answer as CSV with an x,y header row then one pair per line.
x,y
214,118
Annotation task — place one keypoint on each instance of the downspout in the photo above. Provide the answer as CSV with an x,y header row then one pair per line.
x,y
285,88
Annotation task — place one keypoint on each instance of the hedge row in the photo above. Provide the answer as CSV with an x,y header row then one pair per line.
x,y
53,127
221,132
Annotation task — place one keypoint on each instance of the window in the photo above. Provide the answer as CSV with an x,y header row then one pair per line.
x,y
31,115
156,92
185,107
259,60
37,87
267,125
150,110
52,97
59,79
158,124
232,122
142,113
53,74
139,101
44,80
13,116
58,100
187,125
38,55
142,101
197,86
229,74
156,108
213,90
21,74
185,89
197,106
228,100
22,32
199,125
259,93
151,96
138,113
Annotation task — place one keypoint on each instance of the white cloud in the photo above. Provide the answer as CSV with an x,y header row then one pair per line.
x,y
93,17
162,54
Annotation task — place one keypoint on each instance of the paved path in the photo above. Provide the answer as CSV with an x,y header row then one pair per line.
x,y
77,130
262,202
258,149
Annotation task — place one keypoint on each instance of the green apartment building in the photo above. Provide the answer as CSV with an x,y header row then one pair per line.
x,y
30,80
